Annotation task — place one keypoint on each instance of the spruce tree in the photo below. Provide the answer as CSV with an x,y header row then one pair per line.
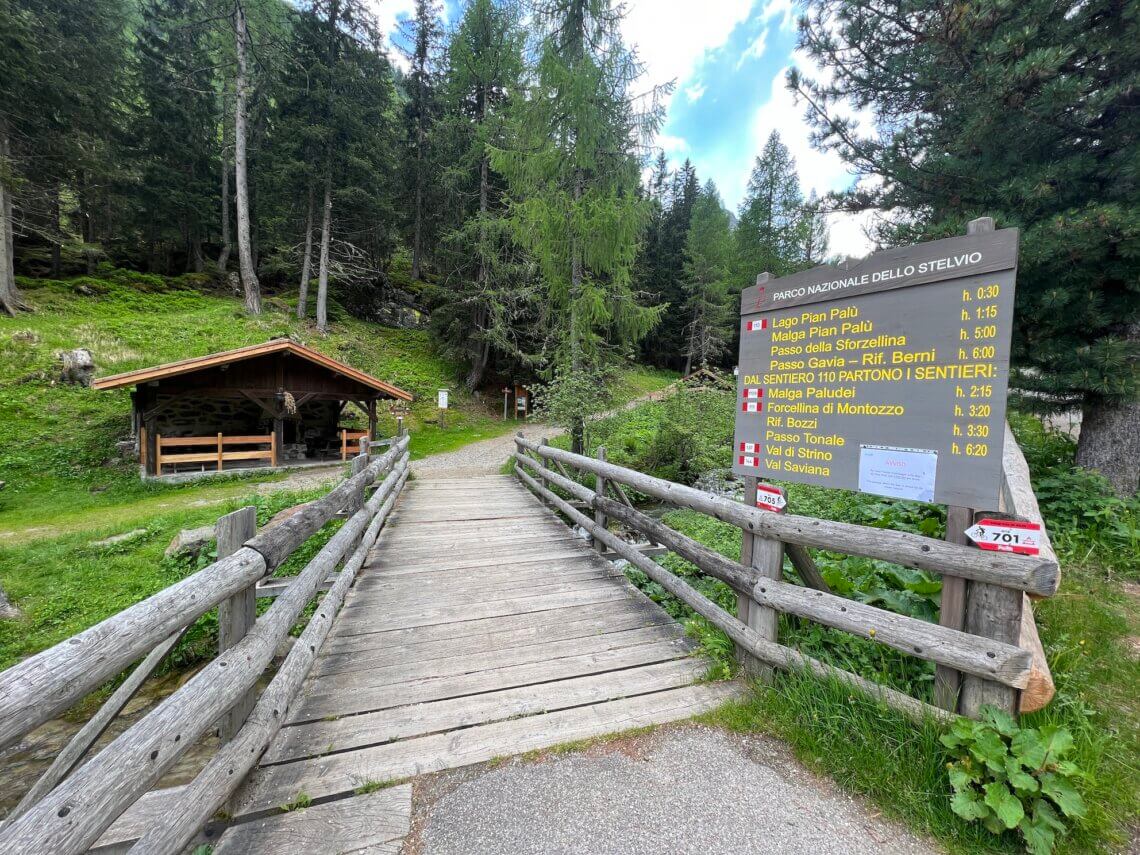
x,y
420,115
768,233
1026,112
488,302
573,177
709,256
175,132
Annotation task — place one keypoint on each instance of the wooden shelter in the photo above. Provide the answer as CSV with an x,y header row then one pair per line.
x,y
267,404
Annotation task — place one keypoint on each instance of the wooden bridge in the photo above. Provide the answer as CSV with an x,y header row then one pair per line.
x,y
466,622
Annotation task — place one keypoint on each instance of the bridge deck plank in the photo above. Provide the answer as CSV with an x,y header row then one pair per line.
x,y
479,627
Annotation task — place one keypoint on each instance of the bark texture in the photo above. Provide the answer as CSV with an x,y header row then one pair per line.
x,y
307,261
10,300
323,271
249,282
1110,443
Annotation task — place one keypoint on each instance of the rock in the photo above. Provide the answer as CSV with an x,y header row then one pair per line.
x,y
120,538
190,541
7,610
78,367
281,516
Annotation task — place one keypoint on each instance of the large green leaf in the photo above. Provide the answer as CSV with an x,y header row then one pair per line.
x,y
1027,747
961,777
968,805
1019,779
1004,804
1001,720
1039,838
1058,742
1063,793
989,748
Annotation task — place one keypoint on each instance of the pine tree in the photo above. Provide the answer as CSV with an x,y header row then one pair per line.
x,y
767,235
174,132
488,300
573,179
813,232
1026,112
709,255
421,112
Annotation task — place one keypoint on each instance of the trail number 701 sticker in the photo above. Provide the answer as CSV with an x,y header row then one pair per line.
x,y
1017,536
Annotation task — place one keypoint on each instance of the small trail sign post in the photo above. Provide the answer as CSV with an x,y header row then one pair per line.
x,y
1023,538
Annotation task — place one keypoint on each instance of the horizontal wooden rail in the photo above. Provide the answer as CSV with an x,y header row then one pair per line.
x,y
73,816
219,455
1035,575
226,770
984,657
44,685
747,638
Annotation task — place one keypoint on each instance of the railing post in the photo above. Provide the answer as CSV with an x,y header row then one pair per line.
x,y
158,454
543,461
236,615
766,555
359,463
600,489
220,452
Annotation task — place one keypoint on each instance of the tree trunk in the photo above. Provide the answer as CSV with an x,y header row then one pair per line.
x,y
578,429
249,281
224,255
307,261
10,300
323,272
1110,440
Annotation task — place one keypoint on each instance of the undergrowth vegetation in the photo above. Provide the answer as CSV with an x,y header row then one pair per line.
x,y
1087,630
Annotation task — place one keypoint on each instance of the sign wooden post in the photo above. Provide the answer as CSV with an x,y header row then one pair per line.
x,y
600,489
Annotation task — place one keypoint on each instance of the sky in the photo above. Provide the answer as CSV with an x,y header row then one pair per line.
x,y
728,59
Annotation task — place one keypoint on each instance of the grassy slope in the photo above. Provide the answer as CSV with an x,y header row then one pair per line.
x,y
65,488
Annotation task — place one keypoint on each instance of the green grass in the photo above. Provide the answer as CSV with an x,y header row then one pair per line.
x,y
57,443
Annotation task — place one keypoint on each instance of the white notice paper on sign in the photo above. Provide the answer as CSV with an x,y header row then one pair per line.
x,y
902,473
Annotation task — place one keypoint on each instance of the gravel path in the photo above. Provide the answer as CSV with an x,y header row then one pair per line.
x,y
485,457
682,790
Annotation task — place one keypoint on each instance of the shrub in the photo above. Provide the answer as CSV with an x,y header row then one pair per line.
x,y
1010,777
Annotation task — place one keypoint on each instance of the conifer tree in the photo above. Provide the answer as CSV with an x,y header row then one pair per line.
x,y
709,255
174,132
573,178
488,298
420,113
1026,112
767,235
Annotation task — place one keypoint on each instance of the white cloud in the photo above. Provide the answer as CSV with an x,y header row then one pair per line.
x,y
784,9
671,37
672,144
847,236
694,92
754,50
388,13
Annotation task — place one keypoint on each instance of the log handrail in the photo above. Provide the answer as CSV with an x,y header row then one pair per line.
x,y
993,660
1035,575
1018,666
71,816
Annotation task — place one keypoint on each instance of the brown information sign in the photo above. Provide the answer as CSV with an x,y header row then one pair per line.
x,y
886,376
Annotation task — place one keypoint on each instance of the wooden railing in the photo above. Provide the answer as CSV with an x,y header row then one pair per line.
x,y
763,593
73,805
349,439
217,454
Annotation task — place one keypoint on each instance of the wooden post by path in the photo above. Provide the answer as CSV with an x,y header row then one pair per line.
x,y
767,556
236,615
600,489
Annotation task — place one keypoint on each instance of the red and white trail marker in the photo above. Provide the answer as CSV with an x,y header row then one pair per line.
x,y
752,407
753,393
756,325
1024,538
749,460
770,498
751,447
